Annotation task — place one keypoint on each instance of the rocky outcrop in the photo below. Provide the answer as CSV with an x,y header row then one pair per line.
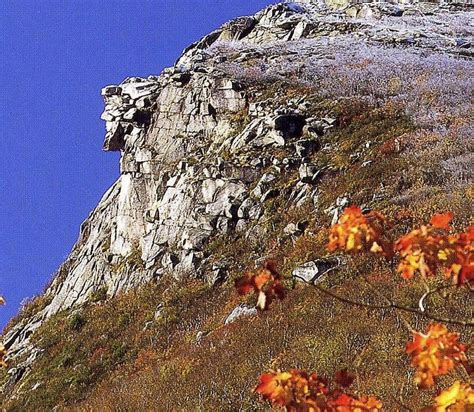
x,y
314,271
203,149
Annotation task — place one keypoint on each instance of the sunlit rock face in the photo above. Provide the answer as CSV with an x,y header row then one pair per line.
x,y
201,144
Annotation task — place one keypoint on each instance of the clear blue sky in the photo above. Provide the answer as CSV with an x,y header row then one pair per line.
x,y
55,55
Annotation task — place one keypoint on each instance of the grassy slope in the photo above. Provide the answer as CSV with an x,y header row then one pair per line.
x,y
102,356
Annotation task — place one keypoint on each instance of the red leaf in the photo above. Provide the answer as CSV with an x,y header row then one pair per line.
x,y
441,220
344,378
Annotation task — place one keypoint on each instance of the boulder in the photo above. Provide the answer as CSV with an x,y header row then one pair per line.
x,y
304,148
308,173
313,271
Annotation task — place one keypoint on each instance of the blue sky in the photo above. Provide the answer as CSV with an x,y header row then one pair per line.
x,y
55,56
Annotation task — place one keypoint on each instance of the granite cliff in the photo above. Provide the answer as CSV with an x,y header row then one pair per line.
x,y
252,116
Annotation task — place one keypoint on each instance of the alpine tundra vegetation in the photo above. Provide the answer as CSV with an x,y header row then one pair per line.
x,y
299,154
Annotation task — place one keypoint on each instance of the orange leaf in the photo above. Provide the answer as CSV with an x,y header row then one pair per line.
x,y
356,232
427,252
265,283
245,284
441,220
262,278
346,403
293,389
435,353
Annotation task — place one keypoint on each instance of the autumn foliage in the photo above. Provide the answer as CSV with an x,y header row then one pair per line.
x,y
266,283
427,251
435,353
429,248
356,232
297,390
456,398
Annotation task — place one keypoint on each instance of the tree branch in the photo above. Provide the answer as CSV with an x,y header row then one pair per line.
x,y
421,303
393,305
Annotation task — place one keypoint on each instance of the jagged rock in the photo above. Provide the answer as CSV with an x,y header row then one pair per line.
x,y
218,275
209,189
263,185
308,173
169,261
249,209
313,272
336,210
304,148
295,229
227,200
239,311
223,225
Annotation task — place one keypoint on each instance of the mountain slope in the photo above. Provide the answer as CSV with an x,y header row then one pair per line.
x,y
247,149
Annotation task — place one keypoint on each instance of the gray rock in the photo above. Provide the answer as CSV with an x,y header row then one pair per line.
x,y
263,185
238,312
304,148
249,209
291,229
223,225
341,203
111,90
218,275
308,173
295,229
307,272
313,272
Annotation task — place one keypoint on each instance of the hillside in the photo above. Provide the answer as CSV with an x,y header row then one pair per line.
x,y
247,149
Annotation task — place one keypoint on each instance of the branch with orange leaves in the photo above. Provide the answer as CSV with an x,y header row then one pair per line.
x,y
424,250
298,390
266,283
435,353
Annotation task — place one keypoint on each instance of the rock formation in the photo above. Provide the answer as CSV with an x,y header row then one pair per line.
x,y
204,147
